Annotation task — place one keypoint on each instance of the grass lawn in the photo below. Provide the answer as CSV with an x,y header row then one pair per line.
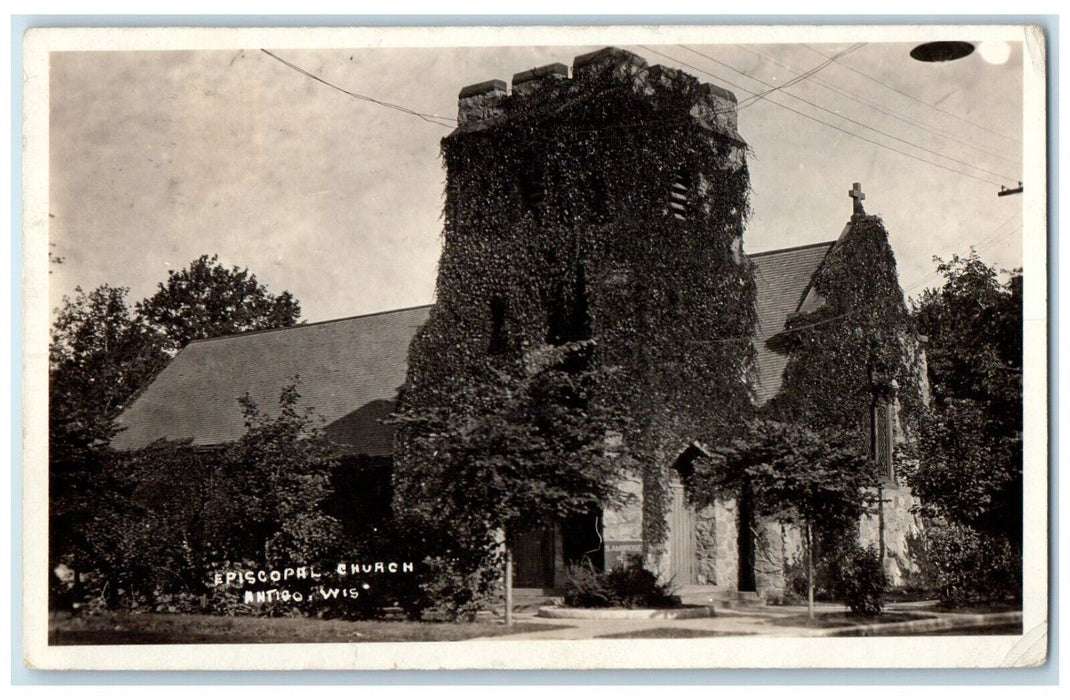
x,y
152,628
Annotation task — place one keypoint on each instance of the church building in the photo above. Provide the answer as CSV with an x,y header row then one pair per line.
x,y
605,207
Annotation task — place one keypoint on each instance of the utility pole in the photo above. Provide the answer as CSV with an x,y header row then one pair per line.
x,y
1004,190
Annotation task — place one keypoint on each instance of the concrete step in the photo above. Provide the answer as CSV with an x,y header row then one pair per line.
x,y
534,598
718,596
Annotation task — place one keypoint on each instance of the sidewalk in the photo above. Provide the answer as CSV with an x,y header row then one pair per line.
x,y
770,621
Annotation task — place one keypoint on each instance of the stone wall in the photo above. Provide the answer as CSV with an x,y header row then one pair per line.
x,y
769,559
626,523
717,534
900,527
622,528
716,544
777,547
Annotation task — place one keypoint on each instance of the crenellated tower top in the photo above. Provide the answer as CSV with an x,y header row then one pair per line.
x,y
491,103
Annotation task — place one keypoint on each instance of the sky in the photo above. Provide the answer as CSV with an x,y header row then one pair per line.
x,y
157,157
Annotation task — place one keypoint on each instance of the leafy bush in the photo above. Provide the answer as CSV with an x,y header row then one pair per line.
x,y
859,581
636,587
627,585
796,582
833,544
587,587
174,512
972,567
446,588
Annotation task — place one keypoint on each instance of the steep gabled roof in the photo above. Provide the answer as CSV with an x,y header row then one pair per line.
x,y
783,279
350,370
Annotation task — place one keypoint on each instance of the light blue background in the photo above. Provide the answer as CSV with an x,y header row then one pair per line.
x,y
1047,675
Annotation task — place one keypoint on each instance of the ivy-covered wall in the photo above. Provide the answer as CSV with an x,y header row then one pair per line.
x,y
605,207
857,345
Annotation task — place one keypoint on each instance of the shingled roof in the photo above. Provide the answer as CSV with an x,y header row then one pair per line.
x,y
783,278
349,369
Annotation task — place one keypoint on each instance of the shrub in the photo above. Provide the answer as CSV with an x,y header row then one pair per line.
x,y
971,567
636,587
627,585
859,580
796,583
587,587
451,588
832,545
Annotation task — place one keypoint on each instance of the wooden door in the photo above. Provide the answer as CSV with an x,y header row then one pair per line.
x,y
533,559
682,551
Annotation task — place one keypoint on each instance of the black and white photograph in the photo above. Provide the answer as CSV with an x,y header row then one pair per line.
x,y
535,348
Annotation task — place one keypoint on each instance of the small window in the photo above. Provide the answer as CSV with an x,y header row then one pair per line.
x,y
680,196
498,344
568,316
532,185
597,192
883,432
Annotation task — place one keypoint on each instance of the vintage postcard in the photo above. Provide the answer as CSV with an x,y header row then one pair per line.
x,y
535,348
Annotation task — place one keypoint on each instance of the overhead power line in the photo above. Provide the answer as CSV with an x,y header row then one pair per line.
x,y
995,235
806,75
720,79
880,108
838,128
442,121
916,99
430,118
849,119
992,238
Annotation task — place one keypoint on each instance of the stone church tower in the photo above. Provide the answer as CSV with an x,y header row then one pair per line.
x,y
604,207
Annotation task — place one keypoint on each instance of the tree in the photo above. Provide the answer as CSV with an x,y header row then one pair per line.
x,y
974,327
173,513
102,352
969,467
271,485
794,475
151,531
515,452
100,355
970,470
207,300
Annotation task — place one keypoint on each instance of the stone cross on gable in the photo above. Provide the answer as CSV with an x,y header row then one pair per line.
x,y
857,195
